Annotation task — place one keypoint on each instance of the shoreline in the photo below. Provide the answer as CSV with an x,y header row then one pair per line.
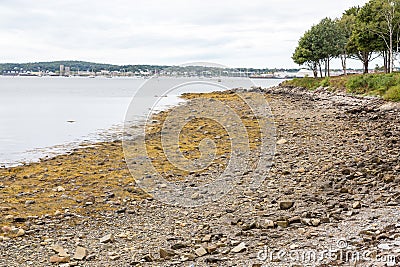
x,y
336,164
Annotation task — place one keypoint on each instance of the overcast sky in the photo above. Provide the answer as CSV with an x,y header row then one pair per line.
x,y
256,33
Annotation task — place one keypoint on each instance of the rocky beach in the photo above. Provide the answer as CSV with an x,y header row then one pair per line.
x,y
332,191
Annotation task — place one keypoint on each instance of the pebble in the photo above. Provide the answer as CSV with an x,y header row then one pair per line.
x,y
206,238
281,141
285,205
239,248
268,223
282,224
58,259
59,189
166,253
80,253
60,250
357,205
107,238
201,251
20,232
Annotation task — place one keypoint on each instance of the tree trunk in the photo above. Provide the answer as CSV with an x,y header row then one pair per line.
x,y
315,71
385,61
343,58
329,67
320,69
391,59
366,62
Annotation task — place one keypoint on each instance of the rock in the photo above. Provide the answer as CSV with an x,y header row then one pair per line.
x,y
107,238
200,252
57,213
30,202
115,257
268,224
388,178
285,205
357,205
344,190
178,246
302,231
282,224
166,253
20,232
212,260
206,238
250,226
311,222
295,219
211,248
239,248
148,258
60,250
58,259
80,253
281,141
301,170
315,222
9,218
188,256
59,189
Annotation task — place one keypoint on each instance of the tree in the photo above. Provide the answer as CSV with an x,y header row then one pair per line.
x,y
384,20
363,43
305,54
346,25
319,45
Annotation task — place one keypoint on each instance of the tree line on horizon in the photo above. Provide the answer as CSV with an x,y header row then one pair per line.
x,y
362,33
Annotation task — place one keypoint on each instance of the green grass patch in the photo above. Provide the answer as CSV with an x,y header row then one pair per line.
x,y
307,82
377,84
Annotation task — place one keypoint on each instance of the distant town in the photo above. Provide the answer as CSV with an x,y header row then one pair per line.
x,y
93,70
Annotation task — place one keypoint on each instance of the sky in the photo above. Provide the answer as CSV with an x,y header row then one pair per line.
x,y
256,33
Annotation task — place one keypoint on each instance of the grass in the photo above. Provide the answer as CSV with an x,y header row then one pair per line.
x,y
386,86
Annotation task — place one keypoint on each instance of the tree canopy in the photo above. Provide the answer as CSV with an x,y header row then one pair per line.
x,y
362,33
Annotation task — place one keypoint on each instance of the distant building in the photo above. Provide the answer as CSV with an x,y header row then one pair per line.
x,y
67,71
62,70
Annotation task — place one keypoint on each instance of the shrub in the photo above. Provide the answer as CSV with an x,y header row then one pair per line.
x,y
393,93
325,82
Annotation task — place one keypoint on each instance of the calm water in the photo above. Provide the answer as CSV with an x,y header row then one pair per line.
x,y
42,116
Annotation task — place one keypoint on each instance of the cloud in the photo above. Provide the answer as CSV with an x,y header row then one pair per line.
x,y
244,33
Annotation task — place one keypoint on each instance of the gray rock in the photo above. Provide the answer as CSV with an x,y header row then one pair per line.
x,y
166,253
107,238
239,248
285,205
200,251
80,253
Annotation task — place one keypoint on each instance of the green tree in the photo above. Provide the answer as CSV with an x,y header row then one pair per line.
x,y
305,52
364,44
384,20
346,24
319,45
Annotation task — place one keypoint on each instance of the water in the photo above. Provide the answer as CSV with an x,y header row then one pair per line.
x,y
43,116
